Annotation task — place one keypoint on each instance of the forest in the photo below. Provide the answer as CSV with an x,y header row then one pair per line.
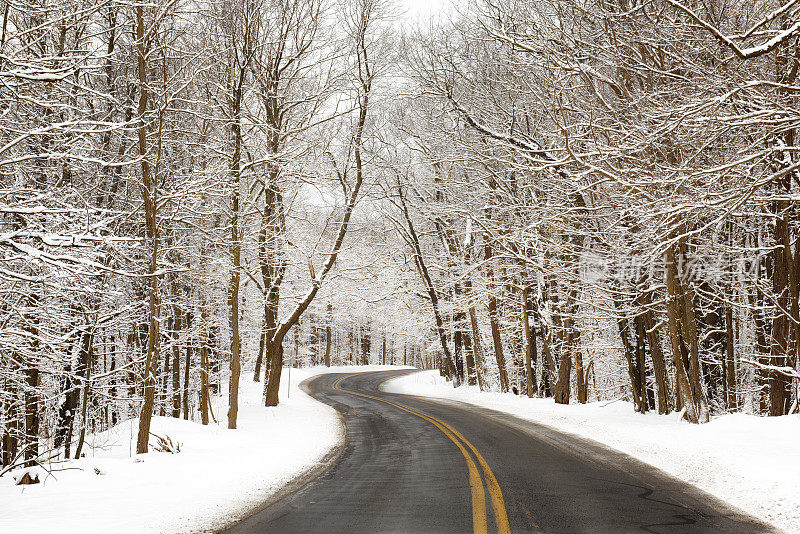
x,y
575,199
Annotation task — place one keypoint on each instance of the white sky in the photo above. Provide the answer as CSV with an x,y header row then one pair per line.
x,y
423,8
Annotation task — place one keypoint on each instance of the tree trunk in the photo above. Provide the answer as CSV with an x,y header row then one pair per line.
x,y
530,345
632,361
31,416
731,397
580,373
469,356
176,364
477,348
497,342
782,287
683,338
571,338
205,400
548,363
236,252
328,336
276,365
150,206
785,286
69,407
562,390
113,390
187,367
10,442
458,348
472,342
262,338
365,75
85,373
422,268
641,351
84,414
236,368
657,355
689,326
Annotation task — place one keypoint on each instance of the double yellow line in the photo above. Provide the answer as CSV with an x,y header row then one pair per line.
x,y
479,525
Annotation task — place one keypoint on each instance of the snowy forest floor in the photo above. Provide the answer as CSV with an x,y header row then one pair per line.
x,y
751,462
218,476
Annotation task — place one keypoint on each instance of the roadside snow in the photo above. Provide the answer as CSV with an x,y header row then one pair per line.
x,y
751,462
219,474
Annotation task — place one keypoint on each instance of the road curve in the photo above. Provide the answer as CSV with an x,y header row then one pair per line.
x,y
417,465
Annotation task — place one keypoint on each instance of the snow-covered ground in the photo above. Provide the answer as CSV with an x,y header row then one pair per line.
x,y
751,462
219,474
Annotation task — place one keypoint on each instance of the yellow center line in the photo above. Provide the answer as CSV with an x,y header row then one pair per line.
x,y
479,525
478,499
499,507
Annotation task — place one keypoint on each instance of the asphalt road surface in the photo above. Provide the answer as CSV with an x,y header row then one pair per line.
x,y
417,465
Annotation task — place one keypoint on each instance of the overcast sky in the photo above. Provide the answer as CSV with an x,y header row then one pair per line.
x,y
423,8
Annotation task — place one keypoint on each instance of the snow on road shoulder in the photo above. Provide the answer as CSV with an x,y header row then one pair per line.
x,y
751,462
219,474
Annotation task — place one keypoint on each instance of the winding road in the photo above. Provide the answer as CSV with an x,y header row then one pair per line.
x,y
418,465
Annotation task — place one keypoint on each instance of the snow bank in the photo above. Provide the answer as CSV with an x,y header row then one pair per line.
x,y
218,476
751,462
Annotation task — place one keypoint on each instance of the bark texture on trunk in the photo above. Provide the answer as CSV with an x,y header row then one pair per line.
x,y
31,416
176,363
784,287
683,338
205,398
530,345
477,347
731,395
494,324
150,206
569,347
634,375
659,364
187,367
236,252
